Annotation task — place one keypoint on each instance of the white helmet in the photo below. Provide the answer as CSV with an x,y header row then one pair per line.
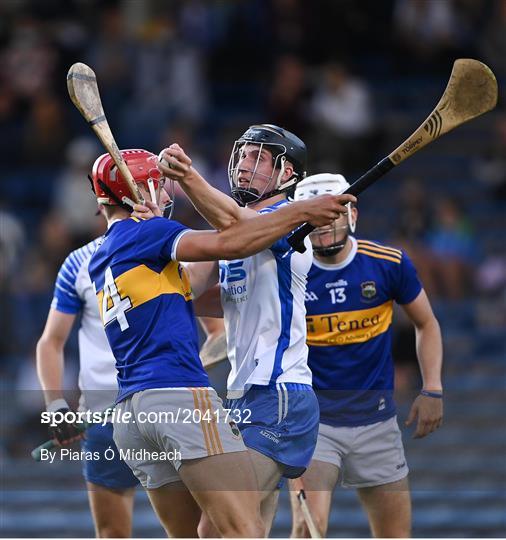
x,y
321,184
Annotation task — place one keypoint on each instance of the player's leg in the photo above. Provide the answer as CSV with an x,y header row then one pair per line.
x,y
226,489
268,473
268,508
209,457
111,484
111,510
377,468
176,509
388,508
319,483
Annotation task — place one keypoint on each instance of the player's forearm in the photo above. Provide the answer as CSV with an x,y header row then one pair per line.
x,y
255,234
244,238
218,209
50,368
430,354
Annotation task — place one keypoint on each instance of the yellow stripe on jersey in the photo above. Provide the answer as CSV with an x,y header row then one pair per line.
x,y
348,327
137,220
141,284
378,255
377,247
368,243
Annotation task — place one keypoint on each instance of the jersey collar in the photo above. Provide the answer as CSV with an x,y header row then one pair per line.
x,y
342,264
111,223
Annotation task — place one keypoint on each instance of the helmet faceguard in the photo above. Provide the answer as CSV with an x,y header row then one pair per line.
x,y
282,145
109,185
320,184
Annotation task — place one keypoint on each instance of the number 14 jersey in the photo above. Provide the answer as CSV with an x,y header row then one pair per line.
x,y
144,299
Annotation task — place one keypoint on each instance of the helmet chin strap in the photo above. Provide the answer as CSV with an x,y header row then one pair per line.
x,y
246,196
336,248
332,250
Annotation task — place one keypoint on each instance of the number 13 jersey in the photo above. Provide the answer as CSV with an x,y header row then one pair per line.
x,y
349,316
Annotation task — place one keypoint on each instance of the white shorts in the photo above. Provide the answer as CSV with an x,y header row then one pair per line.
x,y
167,426
366,456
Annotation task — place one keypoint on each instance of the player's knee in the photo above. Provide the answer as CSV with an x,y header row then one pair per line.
x,y
113,530
393,531
206,529
321,522
255,528
301,530
251,528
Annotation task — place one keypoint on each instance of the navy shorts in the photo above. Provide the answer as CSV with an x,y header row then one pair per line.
x,y
283,423
114,473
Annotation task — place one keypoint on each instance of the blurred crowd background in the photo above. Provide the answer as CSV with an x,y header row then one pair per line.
x,y
352,79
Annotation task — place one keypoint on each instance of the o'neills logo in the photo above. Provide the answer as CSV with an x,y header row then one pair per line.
x,y
368,289
409,146
348,327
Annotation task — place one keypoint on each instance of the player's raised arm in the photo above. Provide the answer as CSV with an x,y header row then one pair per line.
x,y
251,236
217,208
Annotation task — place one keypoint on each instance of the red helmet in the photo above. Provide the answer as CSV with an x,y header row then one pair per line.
x,y
142,165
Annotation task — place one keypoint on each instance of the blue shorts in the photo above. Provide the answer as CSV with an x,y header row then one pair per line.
x,y
114,474
283,423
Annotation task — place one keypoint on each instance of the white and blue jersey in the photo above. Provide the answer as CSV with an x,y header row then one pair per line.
x,y
270,382
263,308
74,294
349,315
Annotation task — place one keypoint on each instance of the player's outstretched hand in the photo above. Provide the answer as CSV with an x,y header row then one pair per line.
x,y
429,412
146,210
174,164
323,210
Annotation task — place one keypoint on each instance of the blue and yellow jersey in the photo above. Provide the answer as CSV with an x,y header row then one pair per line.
x,y
144,299
349,316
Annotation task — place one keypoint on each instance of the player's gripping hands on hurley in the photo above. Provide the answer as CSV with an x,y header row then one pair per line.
x,y
64,432
325,209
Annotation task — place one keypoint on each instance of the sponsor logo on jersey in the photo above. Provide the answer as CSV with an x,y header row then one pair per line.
x,y
339,283
310,296
235,290
230,276
348,327
368,289
272,435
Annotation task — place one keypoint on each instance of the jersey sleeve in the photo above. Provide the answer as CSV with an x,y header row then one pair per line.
x,y
408,285
280,246
66,298
159,238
